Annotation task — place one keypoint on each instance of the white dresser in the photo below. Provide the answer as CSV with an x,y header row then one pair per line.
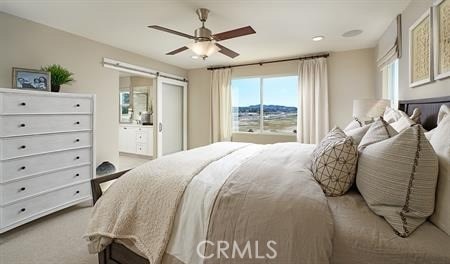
x,y
136,139
46,153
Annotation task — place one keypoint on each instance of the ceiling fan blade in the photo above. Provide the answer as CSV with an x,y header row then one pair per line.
x,y
227,51
173,52
172,31
239,32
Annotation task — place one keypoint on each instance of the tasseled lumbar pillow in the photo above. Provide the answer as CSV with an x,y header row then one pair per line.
x,y
397,178
334,163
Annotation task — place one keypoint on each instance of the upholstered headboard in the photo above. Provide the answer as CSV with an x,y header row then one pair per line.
x,y
429,108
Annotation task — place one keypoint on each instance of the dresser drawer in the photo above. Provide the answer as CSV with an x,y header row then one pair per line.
x,y
39,205
22,167
142,149
17,190
29,125
27,103
141,137
29,145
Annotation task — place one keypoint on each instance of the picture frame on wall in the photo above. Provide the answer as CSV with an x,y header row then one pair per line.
x,y
420,50
441,38
29,79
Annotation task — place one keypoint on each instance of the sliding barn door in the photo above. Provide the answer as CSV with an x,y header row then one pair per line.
x,y
171,116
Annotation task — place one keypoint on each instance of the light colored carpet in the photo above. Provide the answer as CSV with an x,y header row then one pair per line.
x,y
54,239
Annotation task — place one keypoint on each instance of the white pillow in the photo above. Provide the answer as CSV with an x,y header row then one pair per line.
x,y
354,124
429,134
416,115
403,123
443,112
397,178
391,115
378,131
441,144
358,133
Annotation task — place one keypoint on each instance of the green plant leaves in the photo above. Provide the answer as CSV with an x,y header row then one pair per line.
x,y
59,75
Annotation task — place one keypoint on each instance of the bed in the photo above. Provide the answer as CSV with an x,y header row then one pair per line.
x,y
349,232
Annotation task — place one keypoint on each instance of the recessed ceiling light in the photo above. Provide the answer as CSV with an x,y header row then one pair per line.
x,y
318,38
352,33
195,57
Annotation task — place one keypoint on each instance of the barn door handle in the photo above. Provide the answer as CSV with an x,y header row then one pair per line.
x,y
160,127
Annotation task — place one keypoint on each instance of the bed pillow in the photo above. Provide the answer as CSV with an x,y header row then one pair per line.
x,y
444,111
403,123
334,163
397,178
415,117
441,144
358,133
391,115
378,131
354,124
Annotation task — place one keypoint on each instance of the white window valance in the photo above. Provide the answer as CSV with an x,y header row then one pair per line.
x,y
390,44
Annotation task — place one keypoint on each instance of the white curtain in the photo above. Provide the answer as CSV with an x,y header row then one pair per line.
x,y
221,116
312,118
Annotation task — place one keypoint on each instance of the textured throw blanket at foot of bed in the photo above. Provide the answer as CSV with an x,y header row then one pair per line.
x,y
140,207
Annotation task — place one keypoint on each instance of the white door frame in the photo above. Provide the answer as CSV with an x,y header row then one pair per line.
x,y
159,120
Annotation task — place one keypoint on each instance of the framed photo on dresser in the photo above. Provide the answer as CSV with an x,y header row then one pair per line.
x,y
29,79
441,38
420,43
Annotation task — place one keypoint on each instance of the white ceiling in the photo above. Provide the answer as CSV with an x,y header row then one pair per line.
x,y
283,28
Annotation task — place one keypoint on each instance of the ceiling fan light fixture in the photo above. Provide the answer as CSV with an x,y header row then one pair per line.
x,y
204,48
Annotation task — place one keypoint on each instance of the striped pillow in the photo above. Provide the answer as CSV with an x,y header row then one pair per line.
x,y
397,178
378,131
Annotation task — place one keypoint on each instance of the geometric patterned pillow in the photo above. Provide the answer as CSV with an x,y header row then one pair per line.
x,y
334,163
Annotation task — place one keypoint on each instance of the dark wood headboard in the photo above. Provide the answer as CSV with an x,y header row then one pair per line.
x,y
429,108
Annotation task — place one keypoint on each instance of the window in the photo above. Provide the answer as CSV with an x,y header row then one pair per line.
x,y
390,82
275,97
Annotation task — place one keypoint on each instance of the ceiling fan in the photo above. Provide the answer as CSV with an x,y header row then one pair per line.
x,y
205,43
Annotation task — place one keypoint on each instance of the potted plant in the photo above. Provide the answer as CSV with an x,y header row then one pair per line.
x,y
59,76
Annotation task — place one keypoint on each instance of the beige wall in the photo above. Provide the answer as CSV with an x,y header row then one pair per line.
x,y
434,89
351,76
30,45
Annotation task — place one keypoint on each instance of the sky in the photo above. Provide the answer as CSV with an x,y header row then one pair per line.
x,y
276,91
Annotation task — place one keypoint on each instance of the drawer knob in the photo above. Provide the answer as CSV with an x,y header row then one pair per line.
x,y
77,192
77,140
23,147
23,168
23,104
23,210
77,123
76,175
78,157
77,105
22,125
22,189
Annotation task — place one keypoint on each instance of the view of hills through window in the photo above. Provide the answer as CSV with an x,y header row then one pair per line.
x,y
275,97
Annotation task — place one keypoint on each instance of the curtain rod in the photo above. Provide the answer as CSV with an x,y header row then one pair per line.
x,y
272,61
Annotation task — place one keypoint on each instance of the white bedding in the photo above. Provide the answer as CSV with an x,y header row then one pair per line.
x,y
360,236
191,222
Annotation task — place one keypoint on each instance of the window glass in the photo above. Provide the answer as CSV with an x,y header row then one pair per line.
x,y
246,104
280,99
275,97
